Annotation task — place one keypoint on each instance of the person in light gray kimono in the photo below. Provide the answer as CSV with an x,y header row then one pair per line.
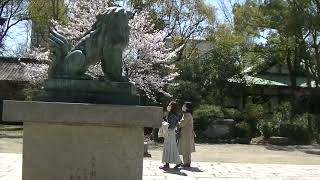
x,y
170,150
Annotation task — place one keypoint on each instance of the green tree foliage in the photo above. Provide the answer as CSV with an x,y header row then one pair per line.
x,y
42,12
208,75
290,28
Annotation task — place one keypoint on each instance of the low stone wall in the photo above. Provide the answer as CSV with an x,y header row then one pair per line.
x,y
10,90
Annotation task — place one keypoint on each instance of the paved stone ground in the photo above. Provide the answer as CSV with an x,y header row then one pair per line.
x,y
218,161
10,169
10,166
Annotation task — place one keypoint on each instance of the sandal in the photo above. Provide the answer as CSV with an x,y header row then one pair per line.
x,y
165,166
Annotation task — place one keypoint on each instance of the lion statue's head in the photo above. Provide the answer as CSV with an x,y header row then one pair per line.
x,y
114,24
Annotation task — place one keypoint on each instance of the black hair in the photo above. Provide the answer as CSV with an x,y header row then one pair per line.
x,y
188,106
174,108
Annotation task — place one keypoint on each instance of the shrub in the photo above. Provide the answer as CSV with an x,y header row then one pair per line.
x,y
300,129
242,130
31,91
313,121
253,113
282,113
268,128
232,113
296,132
204,116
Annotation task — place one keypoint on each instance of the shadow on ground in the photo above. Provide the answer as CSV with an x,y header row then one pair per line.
x,y
309,149
192,169
279,148
11,131
180,173
10,136
175,171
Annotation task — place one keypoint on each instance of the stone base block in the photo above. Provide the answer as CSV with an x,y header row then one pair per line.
x,y
81,114
75,141
69,152
93,86
88,91
83,97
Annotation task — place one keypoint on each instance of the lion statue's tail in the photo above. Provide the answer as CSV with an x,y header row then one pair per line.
x,y
59,50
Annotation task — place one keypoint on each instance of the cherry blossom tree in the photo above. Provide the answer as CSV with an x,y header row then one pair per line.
x,y
147,61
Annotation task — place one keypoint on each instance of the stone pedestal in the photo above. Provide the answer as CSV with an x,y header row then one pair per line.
x,y
73,141
88,91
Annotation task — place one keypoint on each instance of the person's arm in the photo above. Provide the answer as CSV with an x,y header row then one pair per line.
x,y
184,121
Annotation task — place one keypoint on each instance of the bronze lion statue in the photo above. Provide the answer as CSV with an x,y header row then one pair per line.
x,y
104,42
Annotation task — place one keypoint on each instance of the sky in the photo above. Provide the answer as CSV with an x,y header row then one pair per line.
x,y
216,3
18,35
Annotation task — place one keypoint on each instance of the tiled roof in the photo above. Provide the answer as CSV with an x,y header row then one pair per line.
x,y
15,69
274,80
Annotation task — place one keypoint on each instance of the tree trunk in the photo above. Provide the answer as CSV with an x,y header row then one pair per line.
x,y
317,58
292,77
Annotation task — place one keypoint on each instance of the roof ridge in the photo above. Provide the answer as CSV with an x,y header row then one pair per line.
x,y
22,59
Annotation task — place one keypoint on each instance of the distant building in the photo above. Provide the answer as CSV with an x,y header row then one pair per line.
x,y
13,78
200,46
271,85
